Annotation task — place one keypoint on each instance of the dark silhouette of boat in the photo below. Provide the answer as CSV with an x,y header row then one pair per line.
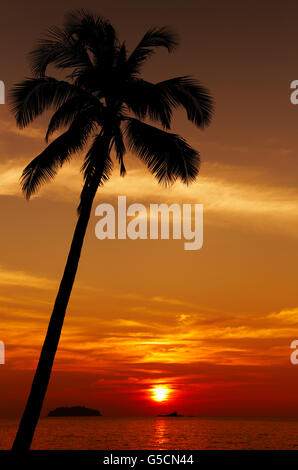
x,y
67,411
172,415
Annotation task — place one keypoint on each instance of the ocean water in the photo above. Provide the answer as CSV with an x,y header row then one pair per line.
x,y
157,433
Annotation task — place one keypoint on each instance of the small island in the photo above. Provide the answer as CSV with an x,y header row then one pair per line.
x,y
172,415
67,411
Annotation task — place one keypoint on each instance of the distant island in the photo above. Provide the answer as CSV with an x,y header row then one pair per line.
x,y
73,411
172,415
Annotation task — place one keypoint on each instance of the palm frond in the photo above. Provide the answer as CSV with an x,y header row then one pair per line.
x,y
191,95
167,155
97,161
65,115
96,35
146,99
122,56
73,108
97,166
120,149
60,49
31,97
44,167
90,29
154,37
91,80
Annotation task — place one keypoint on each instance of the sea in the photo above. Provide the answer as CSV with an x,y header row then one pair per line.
x,y
150,433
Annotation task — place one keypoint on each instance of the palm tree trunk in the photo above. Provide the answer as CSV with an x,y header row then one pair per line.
x,y
41,379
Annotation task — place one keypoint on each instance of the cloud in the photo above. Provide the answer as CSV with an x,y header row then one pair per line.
x,y
271,208
287,316
8,126
10,177
23,279
161,336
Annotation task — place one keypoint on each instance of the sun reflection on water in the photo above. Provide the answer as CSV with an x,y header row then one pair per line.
x,y
161,433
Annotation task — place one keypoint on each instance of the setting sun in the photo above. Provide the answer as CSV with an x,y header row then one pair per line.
x,y
160,393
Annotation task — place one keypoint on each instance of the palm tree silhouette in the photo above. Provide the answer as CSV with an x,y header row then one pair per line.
x,y
102,101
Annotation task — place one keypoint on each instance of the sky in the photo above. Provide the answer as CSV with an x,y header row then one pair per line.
x,y
213,326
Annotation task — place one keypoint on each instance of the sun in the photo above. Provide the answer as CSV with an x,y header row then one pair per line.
x,y
160,393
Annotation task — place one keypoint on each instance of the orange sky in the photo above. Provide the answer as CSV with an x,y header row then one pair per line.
x,y
214,325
